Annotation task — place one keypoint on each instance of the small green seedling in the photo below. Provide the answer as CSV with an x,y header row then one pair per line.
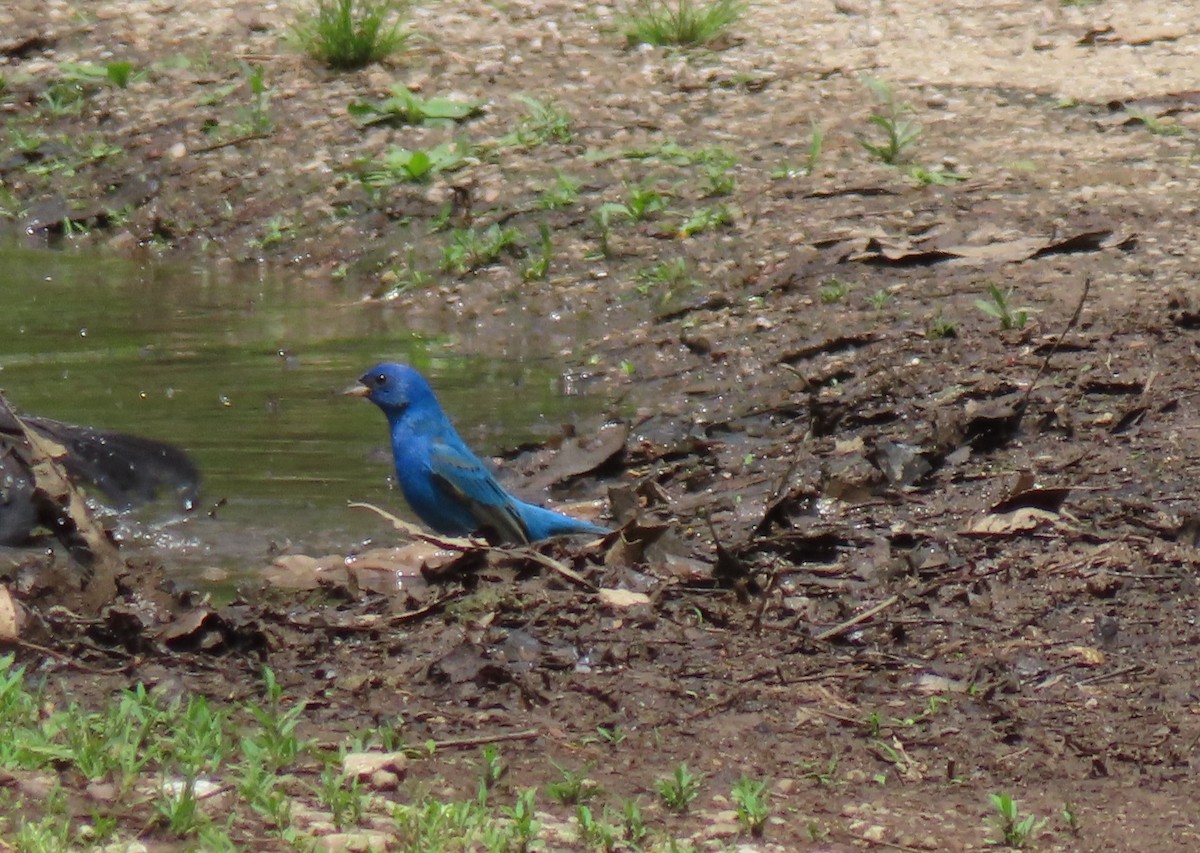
x,y
538,266
633,822
402,165
1013,830
345,798
613,736
678,790
642,202
118,74
470,249
257,116
718,172
603,217
706,219
750,798
935,176
403,107
941,327
879,299
998,305
574,787
666,278
525,826
542,123
493,769
899,131
833,291
1070,816
564,193
598,833
816,143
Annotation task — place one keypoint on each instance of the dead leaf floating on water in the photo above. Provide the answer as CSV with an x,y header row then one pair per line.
x,y
582,455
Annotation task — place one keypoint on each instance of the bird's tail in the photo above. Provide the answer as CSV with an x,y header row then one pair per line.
x,y
542,523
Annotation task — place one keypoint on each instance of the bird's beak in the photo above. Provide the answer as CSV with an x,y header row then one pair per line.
x,y
357,390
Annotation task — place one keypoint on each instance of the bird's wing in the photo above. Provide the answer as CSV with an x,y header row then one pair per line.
x,y
465,479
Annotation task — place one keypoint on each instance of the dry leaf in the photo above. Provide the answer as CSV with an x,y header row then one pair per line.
x,y
623,598
1086,655
1007,523
12,616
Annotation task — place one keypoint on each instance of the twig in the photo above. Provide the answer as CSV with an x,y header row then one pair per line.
x,y
550,563
70,661
719,705
450,543
1087,285
217,791
480,740
237,140
420,612
467,545
1105,676
843,627
768,588
367,623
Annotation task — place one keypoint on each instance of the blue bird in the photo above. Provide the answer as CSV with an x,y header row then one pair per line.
x,y
445,484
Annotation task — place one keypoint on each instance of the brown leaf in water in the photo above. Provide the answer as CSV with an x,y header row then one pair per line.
x,y
582,455
74,522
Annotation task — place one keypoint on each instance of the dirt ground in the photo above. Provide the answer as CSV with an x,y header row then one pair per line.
x,y
894,557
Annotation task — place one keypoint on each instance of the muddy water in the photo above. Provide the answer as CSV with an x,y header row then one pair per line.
x,y
246,375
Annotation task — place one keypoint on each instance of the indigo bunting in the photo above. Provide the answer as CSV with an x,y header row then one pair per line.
x,y
445,484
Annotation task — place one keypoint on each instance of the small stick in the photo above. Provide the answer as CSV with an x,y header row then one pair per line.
x,y
237,140
450,543
550,563
843,627
465,545
69,660
1087,285
480,740
1105,676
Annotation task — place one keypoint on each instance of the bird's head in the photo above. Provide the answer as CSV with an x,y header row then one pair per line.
x,y
393,387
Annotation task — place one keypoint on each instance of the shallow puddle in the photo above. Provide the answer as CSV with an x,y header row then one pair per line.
x,y
245,375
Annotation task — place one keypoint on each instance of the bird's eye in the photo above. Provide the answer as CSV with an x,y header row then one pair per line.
x,y
381,379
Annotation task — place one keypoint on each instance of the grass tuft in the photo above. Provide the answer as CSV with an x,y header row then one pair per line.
x,y
680,22
349,34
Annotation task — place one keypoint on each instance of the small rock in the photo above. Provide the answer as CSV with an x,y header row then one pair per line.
x,y
354,842
364,765
850,7
489,68
177,151
875,833
384,780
